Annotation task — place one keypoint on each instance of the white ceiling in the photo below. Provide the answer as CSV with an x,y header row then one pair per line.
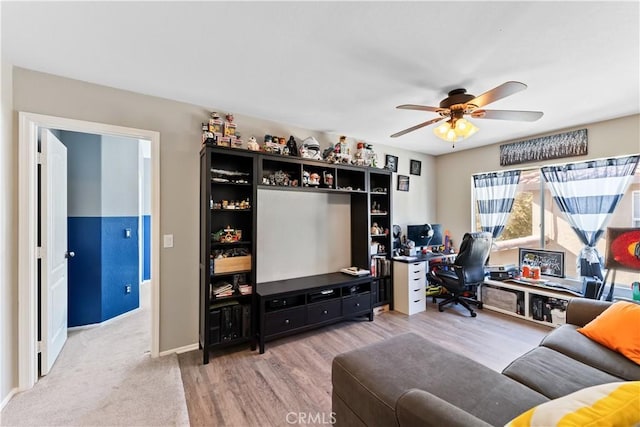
x,y
343,67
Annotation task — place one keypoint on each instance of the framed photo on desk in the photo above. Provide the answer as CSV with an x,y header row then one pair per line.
x,y
551,263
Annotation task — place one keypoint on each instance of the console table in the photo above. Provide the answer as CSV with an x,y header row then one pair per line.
x,y
291,306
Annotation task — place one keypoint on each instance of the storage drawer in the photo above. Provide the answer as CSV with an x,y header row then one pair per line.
x,y
356,304
416,272
284,320
323,311
417,305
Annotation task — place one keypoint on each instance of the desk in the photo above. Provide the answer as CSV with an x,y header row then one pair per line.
x,y
536,303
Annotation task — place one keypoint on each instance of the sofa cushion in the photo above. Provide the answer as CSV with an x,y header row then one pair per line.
x,y
570,342
612,404
371,379
554,374
421,408
617,328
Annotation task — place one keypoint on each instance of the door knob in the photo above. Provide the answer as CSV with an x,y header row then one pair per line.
x,y
69,254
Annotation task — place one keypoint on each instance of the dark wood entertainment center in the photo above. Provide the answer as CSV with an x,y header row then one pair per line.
x,y
296,305
229,181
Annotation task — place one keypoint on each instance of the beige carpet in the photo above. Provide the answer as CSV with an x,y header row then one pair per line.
x,y
105,376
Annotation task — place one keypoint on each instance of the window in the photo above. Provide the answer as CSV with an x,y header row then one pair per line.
x,y
535,213
523,225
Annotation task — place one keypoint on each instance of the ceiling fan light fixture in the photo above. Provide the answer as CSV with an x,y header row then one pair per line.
x,y
454,130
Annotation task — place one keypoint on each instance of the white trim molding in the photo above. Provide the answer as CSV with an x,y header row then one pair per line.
x,y
6,400
27,239
180,350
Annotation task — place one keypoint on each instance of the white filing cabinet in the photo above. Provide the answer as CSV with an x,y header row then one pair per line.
x,y
409,281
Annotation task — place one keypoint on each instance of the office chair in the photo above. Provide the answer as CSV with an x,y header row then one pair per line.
x,y
466,272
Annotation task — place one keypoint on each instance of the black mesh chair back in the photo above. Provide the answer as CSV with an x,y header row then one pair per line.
x,y
468,271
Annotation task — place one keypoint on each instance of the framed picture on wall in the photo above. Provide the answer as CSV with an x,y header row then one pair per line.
x,y
403,183
415,167
391,163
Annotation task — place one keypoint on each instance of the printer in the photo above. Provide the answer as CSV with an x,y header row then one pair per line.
x,y
503,272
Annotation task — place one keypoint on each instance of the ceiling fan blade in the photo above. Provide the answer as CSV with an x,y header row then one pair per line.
x,y
419,107
525,116
416,127
499,92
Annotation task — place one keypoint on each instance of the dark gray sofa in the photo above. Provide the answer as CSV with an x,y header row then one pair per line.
x,y
409,381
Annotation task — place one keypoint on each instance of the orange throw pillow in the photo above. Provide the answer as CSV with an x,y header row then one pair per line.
x,y
617,328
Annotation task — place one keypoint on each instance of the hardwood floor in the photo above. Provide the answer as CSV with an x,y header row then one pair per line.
x,y
243,388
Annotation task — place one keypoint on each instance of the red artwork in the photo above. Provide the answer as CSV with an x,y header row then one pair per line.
x,y
623,249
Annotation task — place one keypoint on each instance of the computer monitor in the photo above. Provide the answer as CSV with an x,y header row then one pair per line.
x,y
425,235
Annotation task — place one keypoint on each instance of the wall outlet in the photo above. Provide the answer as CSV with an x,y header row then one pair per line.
x,y
168,240
127,233
127,289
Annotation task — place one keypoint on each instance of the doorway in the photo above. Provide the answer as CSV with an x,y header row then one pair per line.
x,y
106,220
29,126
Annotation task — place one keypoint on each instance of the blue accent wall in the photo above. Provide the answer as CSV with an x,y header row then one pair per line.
x,y
105,262
146,247
120,259
85,273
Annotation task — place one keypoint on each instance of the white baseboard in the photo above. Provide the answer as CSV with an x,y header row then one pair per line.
x,y
8,398
106,322
180,350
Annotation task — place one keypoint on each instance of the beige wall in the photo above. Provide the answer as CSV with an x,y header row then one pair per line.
x,y
180,136
609,138
8,241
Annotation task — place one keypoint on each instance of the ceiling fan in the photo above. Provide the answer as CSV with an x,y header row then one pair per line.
x,y
459,104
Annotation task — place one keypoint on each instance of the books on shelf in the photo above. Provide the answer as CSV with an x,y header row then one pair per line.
x,y
381,267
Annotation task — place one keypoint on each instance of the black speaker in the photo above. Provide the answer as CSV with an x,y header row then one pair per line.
x,y
592,288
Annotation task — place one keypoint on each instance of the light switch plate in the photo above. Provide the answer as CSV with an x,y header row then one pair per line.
x,y
168,240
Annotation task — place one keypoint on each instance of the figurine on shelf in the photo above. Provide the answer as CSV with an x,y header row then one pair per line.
x,y
215,124
328,179
341,146
341,153
359,155
314,179
236,141
227,235
292,146
229,126
310,149
252,144
327,153
207,136
375,229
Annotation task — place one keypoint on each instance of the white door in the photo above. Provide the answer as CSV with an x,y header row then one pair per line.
x,y
53,209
